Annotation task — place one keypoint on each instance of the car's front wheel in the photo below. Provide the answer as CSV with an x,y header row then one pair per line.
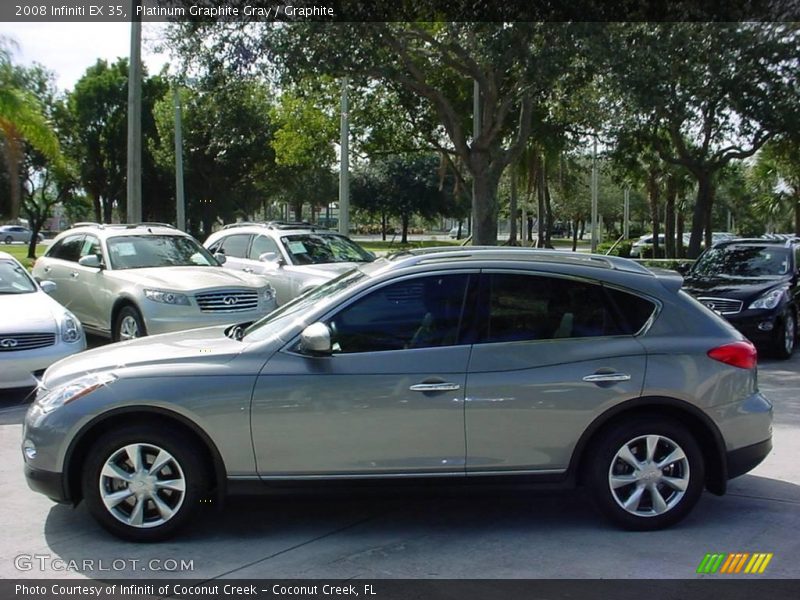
x,y
646,473
8,239
129,324
785,336
142,484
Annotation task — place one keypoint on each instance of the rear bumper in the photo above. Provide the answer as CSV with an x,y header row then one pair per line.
x,y
48,483
748,458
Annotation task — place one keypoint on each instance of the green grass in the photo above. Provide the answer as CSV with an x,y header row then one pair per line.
x,y
382,247
20,252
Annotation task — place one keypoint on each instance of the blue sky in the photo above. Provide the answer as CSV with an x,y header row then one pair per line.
x,y
68,49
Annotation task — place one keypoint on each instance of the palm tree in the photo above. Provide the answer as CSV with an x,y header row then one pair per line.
x,y
21,120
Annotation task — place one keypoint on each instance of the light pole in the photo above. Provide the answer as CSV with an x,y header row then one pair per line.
x,y
626,212
344,165
594,198
134,167
180,202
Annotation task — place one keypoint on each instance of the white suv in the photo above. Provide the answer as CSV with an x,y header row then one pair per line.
x,y
294,256
125,281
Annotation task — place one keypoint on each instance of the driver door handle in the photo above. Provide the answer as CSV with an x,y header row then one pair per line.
x,y
607,377
435,387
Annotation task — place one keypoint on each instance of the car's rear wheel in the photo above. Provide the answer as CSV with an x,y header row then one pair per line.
x,y
646,473
8,239
129,324
783,342
142,484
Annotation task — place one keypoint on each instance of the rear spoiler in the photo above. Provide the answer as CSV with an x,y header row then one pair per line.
x,y
671,280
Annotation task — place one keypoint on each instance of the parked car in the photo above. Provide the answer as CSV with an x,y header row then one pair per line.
x,y
126,281
35,330
17,233
295,257
644,242
753,283
464,364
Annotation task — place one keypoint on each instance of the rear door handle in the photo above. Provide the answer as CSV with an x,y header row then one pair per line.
x,y
435,387
606,377
247,270
74,274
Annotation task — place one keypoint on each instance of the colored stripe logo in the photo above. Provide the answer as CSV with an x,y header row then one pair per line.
x,y
735,563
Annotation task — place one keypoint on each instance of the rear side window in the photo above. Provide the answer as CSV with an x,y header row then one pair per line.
x,y
68,248
528,308
236,245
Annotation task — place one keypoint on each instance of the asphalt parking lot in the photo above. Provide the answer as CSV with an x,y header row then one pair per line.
x,y
511,534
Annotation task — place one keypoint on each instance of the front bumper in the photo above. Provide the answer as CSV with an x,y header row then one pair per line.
x,y
759,326
160,320
19,368
48,483
748,458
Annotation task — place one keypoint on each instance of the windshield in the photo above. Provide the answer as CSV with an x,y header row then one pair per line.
x,y
143,251
743,261
14,279
320,296
322,248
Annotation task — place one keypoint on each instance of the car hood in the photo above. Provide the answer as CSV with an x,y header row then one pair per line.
x,y
189,279
326,270
170,351
40,310
737,288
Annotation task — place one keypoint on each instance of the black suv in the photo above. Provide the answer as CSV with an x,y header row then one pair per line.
x,y
753,284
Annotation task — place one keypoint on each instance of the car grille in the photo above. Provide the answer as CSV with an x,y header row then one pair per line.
x,y
724,306
14,342
228,301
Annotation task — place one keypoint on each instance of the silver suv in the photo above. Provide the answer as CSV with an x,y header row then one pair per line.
x,y
126,281
469,365
294,256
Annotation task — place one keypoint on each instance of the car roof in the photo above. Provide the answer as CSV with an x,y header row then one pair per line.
x,y
107,230
785,243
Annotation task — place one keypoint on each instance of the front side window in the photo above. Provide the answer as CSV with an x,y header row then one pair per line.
x,y
235,245
529,308
91,247
261,245
144,251
423,312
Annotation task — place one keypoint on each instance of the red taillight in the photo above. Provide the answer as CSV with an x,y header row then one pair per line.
x,y
737,354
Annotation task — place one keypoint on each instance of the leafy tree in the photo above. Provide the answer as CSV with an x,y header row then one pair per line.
x,y
775,176
705,94
22,120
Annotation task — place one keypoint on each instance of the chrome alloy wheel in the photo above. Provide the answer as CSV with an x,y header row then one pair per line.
x,y
142,485
789,334
649,475
128,328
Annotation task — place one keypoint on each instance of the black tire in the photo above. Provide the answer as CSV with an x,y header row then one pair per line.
x,y
785,336
127,316
647,513
8,239
185,465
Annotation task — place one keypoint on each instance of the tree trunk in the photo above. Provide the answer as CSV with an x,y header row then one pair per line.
x,y
107,208
703,202
797,212
13,156
512,209
575,235
669,217
652,197
679,229
383,226
548,210
297,208
484,203
404,239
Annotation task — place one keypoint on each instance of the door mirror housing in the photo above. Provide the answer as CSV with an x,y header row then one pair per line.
x,y
221,258
270,257
316,340
48,287
92,260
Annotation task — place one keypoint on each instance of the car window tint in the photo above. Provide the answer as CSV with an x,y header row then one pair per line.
x,y
236,245
632,311
527,308
262,244
416,313
68,248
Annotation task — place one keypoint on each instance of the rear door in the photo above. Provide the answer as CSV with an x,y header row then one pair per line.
x,y
552,353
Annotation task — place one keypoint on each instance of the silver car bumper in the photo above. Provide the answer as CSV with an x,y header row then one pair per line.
x,y
18,368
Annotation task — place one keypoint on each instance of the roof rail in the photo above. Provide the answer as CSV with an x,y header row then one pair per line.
x,y
88,224
275,225
154,224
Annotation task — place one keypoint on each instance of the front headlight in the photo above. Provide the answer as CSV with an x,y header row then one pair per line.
x,y
166,297
71,331
769,300
77,388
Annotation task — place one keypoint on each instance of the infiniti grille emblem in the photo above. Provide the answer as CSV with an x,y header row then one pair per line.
x,y
8,343
230,300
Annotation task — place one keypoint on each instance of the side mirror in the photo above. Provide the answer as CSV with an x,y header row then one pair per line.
x,y
48,287
92,260
316,339
270,257
683,268
221,258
